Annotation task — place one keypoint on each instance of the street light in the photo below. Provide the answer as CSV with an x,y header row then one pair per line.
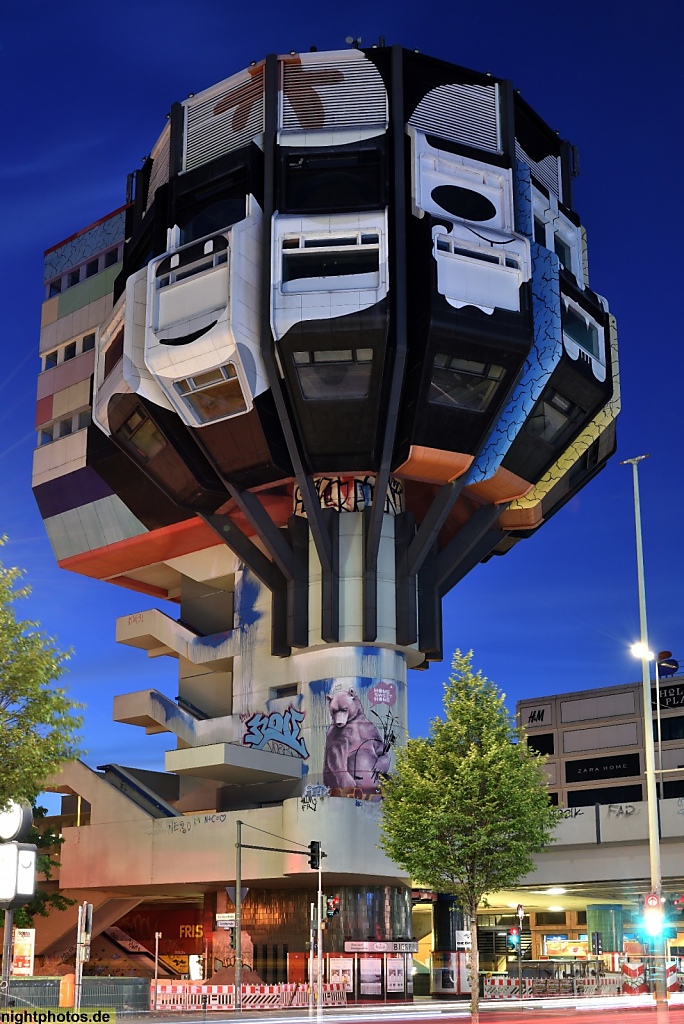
x,y
638,652
649,746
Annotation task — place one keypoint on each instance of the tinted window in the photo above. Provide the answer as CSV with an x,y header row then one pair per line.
x,y
542,744
613,795
332,181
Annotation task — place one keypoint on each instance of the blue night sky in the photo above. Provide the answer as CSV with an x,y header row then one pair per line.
x,y
87,87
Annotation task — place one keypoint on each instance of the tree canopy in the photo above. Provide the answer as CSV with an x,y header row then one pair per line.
x,y
466,808
38,721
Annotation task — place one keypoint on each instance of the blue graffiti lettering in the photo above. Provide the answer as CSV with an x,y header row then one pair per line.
x,y
285,728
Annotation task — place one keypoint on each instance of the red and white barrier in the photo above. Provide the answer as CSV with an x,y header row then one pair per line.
x,y
191,995
671,979
506,988
633,979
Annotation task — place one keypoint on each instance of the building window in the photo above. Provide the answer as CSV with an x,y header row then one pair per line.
x,y
583,330
114,353
213,395
65,427
111,258
279,692
140,434
69,351
327,262
542,744
563,252
55,288
539,232
550,917
46,435
84,419
339,374
463,383
50,360
553,799
92,268
605,795
670,728
195,259
74,277
552,417
88,343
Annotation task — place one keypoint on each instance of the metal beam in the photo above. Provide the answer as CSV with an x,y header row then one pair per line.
x,y
457,552
397,244
427,534
246,550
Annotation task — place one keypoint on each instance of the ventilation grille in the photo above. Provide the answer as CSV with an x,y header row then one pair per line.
x,y
224,118
547,171
334,93
160,164
466,114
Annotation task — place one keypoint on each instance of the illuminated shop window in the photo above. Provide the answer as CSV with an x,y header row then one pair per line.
x,y
552,417
140,434
463,383
334,375
195,259
332,261
215,394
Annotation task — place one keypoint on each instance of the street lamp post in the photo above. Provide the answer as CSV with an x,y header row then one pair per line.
x,y
649,745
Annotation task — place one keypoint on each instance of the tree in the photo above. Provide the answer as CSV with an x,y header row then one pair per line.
x,y
467,807
37,720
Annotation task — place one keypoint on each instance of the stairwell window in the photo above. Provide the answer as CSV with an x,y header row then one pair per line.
x,y
349,261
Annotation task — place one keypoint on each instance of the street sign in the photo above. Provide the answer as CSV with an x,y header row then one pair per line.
x,y
652,900
520,912
225,920
230,889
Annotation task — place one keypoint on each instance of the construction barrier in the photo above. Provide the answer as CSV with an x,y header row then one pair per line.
x,y
671,979
506,988
191,995
634,979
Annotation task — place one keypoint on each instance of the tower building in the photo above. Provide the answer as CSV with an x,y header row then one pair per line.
x,y
339,347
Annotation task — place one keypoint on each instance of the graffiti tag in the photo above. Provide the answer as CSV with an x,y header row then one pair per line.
x,y
571,812
621,810
280,728
312,794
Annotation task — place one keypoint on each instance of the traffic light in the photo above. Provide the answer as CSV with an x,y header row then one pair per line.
x,y
653,916
596,943
332,905
314,855
513,940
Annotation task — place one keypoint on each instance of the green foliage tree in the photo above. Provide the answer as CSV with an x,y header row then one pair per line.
x,y
466,808
38,723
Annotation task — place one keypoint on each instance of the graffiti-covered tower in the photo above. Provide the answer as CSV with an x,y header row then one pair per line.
x,y
343,347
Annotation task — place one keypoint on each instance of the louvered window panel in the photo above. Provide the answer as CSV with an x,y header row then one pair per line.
x,y
224,118
332,93
160,156
546,170
465,114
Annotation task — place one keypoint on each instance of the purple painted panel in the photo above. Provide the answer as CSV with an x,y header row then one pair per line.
x,y
70,491
66,374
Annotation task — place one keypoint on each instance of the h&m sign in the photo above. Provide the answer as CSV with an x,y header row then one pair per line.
x,y
535,714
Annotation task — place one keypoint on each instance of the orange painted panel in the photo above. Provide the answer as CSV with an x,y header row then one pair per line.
x,y
433,465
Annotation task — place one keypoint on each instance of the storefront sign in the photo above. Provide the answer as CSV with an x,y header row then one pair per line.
x,y
617,766
670,697
464,940
566,947
394,974
381,947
